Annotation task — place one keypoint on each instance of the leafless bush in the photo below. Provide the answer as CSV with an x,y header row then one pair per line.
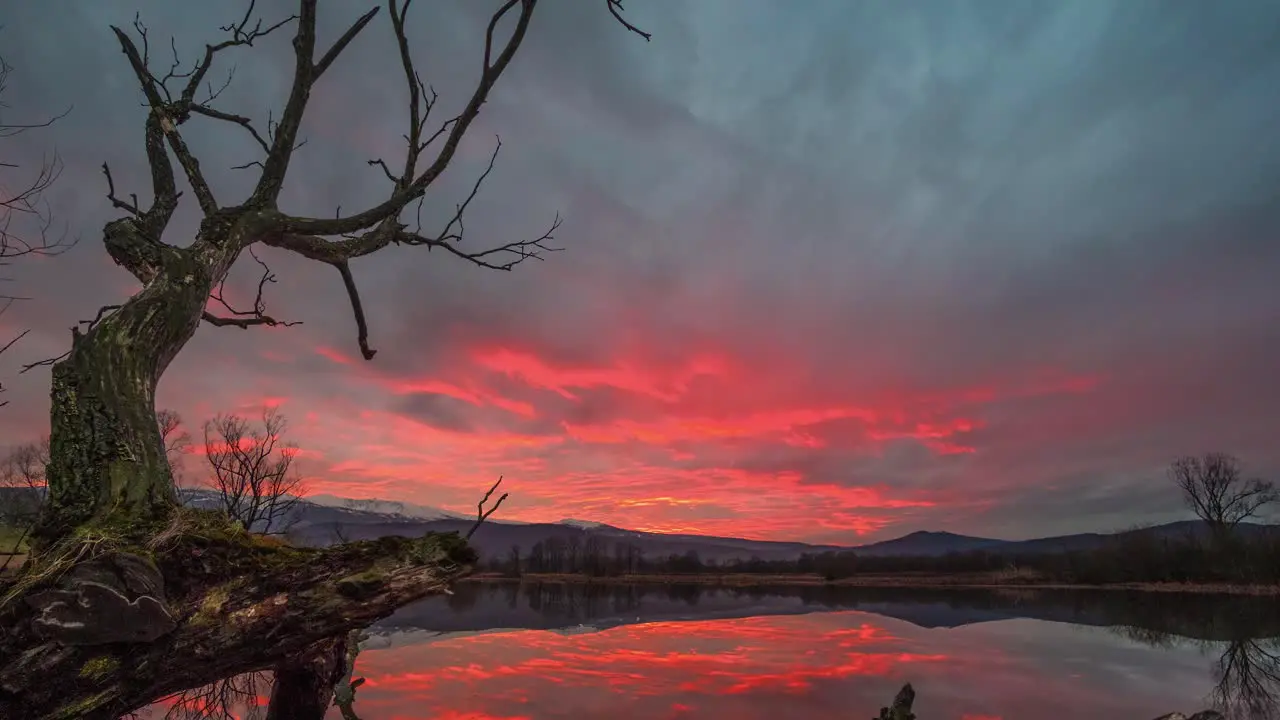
x,y
253,471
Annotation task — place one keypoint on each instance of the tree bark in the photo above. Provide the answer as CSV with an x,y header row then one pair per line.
x,y
107,459
303,687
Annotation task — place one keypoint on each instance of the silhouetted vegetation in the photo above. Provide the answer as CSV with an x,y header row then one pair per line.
x,y
1223,550
1138,556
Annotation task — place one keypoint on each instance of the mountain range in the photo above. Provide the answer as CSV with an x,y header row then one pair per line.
x,y
326,519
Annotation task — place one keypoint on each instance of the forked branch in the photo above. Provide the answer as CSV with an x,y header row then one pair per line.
x,y
245,319
339,240
170,111
22,200
481,513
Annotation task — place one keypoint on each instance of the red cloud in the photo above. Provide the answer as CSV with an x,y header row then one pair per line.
x,y
700,441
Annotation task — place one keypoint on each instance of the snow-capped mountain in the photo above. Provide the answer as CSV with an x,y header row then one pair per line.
x,y
384,507
584,524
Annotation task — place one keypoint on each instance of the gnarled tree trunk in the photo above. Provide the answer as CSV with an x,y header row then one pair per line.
x,y
107,460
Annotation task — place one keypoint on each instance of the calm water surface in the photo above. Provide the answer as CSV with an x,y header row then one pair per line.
x,y
552,651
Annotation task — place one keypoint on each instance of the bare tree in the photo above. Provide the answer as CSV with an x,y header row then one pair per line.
x,y
1215,489
25,217
22,488
234,698
108,468
177,444
1248,679
253,471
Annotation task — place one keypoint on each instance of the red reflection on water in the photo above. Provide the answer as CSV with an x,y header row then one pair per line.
x,y
716,668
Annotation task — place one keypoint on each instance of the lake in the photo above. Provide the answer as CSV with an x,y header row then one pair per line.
x,y
504,651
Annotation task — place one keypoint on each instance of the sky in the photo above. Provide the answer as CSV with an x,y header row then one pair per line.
x,y
833,271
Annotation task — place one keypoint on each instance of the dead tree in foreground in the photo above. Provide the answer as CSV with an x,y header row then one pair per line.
x,y
126,598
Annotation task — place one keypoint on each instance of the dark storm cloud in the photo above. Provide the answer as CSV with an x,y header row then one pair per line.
x,y
925,210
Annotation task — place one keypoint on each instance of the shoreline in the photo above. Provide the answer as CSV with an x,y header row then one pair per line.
x,y
905,581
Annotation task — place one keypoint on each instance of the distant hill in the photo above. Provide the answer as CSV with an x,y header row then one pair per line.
x,y
495,538
326,519
929,544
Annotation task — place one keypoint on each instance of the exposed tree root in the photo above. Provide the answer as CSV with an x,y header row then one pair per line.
x,y
96,630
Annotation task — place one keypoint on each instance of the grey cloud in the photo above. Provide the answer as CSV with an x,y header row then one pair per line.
x,y
884,196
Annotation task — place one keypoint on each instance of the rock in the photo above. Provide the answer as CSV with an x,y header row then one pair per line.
x,y
1203,715
116,598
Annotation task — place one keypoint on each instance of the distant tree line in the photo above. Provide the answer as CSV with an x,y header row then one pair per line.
x,y
1213,487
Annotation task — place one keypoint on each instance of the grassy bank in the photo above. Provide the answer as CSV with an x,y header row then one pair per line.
x,y
895,580
11,549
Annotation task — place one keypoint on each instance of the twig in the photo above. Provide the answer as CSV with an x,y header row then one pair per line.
x,y
244,319
481,513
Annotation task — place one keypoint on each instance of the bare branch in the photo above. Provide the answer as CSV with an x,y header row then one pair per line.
x,y
241,120
172,112
339,252
386,170
129,207
23,200
168,121
14,340
492,69
374,229
615,7
76,333
305,74
245,319
481,513
353,293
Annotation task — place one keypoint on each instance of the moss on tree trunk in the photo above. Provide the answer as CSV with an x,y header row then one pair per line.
x,y
230,603
107,460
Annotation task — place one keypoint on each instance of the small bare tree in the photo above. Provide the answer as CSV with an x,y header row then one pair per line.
x,y
22,485
177,443
1215,489
253,471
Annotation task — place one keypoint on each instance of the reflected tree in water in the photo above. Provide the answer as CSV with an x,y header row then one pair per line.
x,y
1247,680
234,698
1246,675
